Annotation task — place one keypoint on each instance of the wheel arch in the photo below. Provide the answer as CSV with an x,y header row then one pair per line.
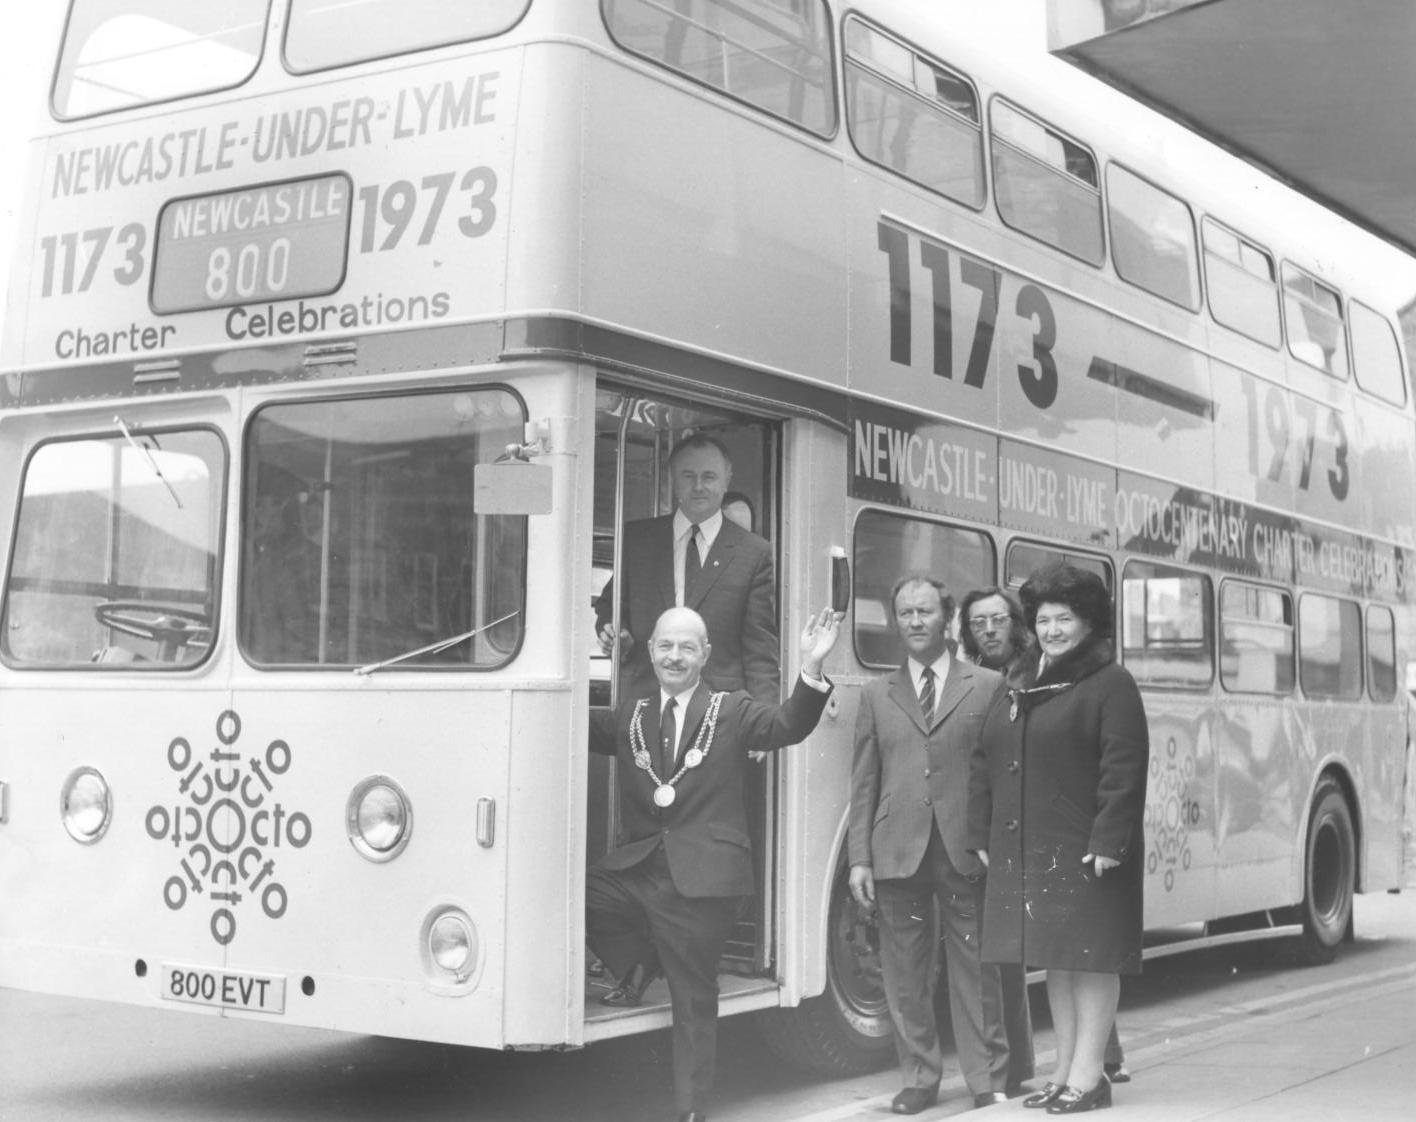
x,y
1336,770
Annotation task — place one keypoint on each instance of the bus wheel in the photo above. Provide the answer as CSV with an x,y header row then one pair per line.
x,y
845,1030
1330,876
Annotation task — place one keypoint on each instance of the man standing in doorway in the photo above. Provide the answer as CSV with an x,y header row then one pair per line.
x,y
915,732
695,558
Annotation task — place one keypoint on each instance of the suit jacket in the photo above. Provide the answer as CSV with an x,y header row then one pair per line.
x,y
734,593
907,775
704,832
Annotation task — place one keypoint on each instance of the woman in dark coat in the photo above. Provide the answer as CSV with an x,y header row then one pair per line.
x,y
1056,803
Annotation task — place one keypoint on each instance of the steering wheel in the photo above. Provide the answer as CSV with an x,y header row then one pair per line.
x,y
170,626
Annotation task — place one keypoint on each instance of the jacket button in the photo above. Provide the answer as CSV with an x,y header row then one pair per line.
x,y
928,802
926,773
1014,767
1011,826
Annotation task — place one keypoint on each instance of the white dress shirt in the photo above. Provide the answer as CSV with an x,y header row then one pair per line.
x,y
940,666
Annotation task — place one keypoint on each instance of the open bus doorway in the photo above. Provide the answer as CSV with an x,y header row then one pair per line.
x,y
635,435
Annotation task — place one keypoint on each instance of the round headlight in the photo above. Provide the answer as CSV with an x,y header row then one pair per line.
x,y
85,805
452,943
379,818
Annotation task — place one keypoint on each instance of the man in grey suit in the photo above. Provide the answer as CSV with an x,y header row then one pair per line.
x,y
915,731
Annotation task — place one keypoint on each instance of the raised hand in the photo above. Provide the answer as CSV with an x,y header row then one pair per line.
x,y
817,639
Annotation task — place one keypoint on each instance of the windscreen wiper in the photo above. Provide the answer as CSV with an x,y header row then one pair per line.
x,y
434,648
146,454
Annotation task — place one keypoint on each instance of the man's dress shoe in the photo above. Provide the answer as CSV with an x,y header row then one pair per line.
x,y
988,1098
914,1099
630,991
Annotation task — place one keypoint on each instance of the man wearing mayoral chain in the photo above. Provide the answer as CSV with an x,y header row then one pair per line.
x,y
666,899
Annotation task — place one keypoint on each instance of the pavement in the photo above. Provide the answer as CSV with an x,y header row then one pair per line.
x,y
1328,1051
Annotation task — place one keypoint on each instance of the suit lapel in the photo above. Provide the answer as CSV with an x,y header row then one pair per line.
x,y
902,693
714,565
956,687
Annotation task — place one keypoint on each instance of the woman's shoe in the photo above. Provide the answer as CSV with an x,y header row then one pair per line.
x,y
1046,1097
1117,1072
1072,1101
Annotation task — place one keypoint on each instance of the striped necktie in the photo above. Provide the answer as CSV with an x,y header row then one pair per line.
x,y
926,694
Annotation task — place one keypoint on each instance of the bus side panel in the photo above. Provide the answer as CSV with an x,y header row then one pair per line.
x,y
1380,774
1264,750
722,259
543,214
1382,442
1180,820
543,837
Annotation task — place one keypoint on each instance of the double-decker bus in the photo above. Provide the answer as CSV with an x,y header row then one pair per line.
x,y
345,335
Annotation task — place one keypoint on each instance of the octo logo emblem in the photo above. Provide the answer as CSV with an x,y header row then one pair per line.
x,y
229,826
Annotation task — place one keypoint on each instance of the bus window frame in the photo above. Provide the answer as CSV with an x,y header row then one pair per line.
x,y
1360,660
1065,554
249,462
832,92
291,68
219,565
919,55
1209,623
1194,244
1284,593
1371,677
1206,222
203,91
1352,304
993,142
984,534
1345,373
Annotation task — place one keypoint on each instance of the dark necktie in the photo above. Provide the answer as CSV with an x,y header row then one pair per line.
x,y
691,562
670,738
926,694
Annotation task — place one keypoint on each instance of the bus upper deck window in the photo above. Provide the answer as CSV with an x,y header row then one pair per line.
x,y
1242,285
772,54
1045,184
1152,238
115,552
322,34
1376,359
1312,311
122,53
913,116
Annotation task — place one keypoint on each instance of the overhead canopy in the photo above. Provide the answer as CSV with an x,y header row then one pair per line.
x,y
1319,93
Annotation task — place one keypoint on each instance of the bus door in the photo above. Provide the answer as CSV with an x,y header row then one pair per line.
x,y
635,434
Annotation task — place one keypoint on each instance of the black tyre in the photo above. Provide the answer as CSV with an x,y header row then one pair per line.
x,y
845,1030
1330,876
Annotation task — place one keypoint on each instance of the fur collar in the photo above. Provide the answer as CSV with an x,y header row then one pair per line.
x,y
1027,688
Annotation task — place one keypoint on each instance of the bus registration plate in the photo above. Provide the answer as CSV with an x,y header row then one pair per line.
x,y
224,989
